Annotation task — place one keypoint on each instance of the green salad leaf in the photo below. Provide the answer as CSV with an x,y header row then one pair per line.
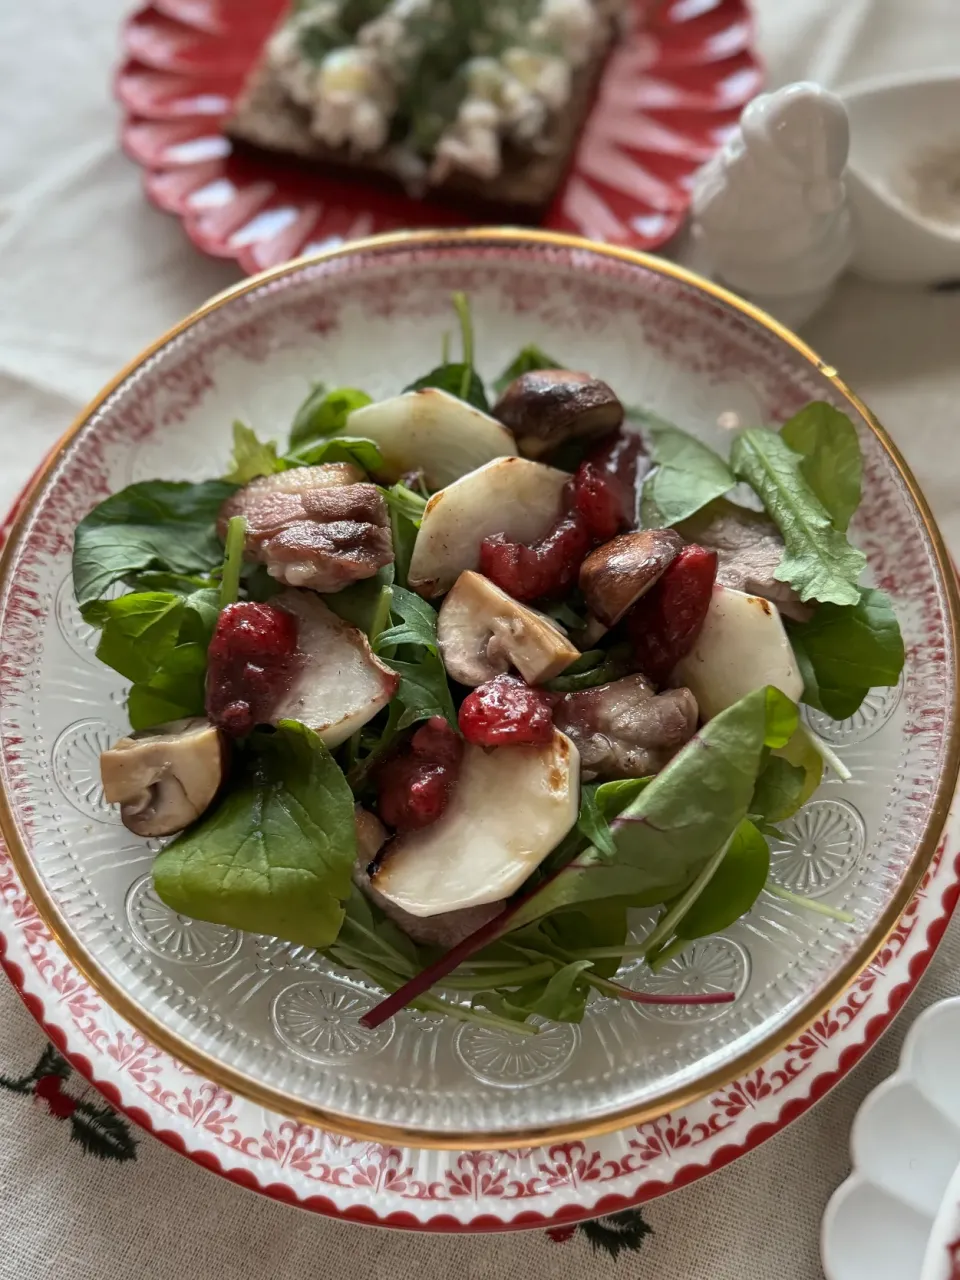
x,y
732,889
844,651
779,790
827,441
595,667
688,475
819,562
417,625
252,457
362,453
275,854
681,819
324,413
406,511
458,378
157,525
423,691
527,360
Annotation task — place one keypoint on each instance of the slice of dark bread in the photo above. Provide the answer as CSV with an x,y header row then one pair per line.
x,y
266,117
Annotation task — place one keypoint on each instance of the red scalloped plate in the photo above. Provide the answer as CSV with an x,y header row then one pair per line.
x,y
671,93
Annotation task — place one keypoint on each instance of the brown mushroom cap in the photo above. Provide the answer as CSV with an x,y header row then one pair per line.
x,y
616,575
547,406
164,778
481,632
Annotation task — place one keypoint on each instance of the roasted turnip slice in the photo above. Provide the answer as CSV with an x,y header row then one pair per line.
x,y
511,806
432,432
339,683
742,646
521,499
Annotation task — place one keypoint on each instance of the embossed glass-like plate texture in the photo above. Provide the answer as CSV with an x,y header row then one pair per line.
x,y
276,1016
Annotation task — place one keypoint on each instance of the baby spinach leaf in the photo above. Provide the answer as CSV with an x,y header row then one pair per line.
x,y
161,525
688,475
675,825
362,453
450,378
819,561
276,853
528,360
779,790
601,802
733,888
324,413
137,631
802,753
827,441
844,652
417,625
252,457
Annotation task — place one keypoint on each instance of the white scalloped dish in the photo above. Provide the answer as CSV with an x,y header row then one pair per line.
x,y
897,1217
274,1021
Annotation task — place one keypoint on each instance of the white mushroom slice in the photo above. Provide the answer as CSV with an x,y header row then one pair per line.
x,y
433,432
510,807
340,683
164,778
742,646
482,632
521,499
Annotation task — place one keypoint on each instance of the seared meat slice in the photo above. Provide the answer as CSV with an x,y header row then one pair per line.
x,y
318,527
625,730
443,931
749,549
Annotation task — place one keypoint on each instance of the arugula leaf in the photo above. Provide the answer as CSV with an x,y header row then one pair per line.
x,y
324,413
679,820
276,853
529,359
362,453
162,525
406,511
779,790
423,691
616,662
418,623
827,441
844,652
365,604
251,457
561,997
819,562
688,475
732,889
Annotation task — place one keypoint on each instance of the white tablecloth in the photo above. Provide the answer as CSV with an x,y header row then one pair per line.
x,y
89,273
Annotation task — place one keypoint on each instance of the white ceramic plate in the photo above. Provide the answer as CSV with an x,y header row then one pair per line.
x,y
897,1217
273,1022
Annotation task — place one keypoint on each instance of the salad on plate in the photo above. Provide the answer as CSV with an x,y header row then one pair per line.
x,y
450,683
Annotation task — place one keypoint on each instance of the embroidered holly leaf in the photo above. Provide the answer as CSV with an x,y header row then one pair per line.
x,y
617,1233
102,1133
50,1064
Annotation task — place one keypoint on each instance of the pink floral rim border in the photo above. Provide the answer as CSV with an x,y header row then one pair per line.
x,y
569,1163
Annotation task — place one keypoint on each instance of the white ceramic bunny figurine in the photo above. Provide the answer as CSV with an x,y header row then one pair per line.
x,y
769,215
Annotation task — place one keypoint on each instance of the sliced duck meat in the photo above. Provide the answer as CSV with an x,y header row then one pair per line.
x,y
624,729
318,527
749,549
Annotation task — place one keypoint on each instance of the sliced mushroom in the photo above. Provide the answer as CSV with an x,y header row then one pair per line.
x,y
742,646
339,683
616,575
749,551
314,527
521,499
547,406
511,806
164,778
431,432
623,729
443,931
482,632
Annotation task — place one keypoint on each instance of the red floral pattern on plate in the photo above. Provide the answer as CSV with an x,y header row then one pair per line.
x,y
671,93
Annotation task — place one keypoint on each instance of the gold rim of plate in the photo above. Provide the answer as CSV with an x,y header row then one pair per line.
x,y
288,1105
